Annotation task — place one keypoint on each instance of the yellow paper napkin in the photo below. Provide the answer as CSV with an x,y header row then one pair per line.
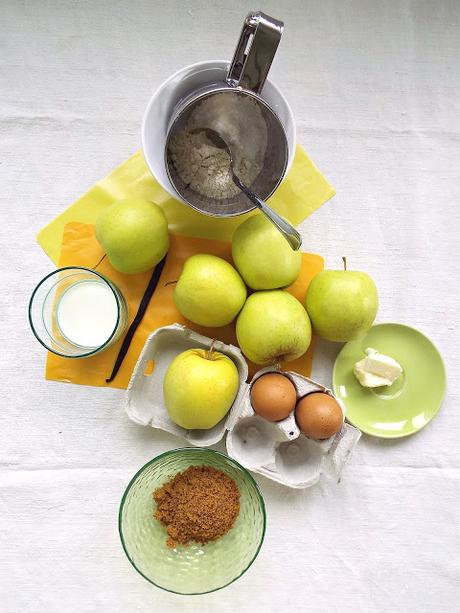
x,y
302,191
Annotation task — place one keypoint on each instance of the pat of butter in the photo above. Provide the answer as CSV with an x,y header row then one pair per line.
x,y
377,369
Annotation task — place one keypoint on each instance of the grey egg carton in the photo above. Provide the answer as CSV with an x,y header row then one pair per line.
x,y
279,451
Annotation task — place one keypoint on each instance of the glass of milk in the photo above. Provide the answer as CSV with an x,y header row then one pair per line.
x,y
76,312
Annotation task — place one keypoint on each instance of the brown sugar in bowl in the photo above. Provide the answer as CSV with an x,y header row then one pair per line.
x,y
215,564
198,504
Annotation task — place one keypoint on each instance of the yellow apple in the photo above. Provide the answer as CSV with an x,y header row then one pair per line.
x,y
199,388
134,234
209,292
273,327
262,255
342,304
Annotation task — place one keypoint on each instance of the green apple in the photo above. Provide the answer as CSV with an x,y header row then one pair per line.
x,y
263,256
209,292
199,388
272,327
134,234
342,303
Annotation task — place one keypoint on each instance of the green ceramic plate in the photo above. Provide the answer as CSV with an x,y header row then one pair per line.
x,y
413,399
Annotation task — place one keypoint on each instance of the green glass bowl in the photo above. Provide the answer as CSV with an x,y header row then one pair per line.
x,y
196,569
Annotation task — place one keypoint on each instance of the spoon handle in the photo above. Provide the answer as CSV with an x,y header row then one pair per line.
x,y
289,232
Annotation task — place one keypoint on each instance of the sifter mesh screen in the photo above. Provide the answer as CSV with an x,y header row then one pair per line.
x,y
252,130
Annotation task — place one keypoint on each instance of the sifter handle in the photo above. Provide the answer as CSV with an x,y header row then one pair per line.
x,y
254,53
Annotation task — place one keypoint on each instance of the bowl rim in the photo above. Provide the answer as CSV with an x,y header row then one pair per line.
x,y
176,451
221,64
94,351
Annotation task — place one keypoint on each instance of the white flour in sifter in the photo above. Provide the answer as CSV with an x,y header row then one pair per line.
x,y
204,166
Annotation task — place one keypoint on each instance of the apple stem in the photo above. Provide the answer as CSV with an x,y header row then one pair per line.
x,y
344,262
170,283
210,350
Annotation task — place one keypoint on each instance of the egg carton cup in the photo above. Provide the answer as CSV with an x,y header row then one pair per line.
x,y
144,400
279,450
276,450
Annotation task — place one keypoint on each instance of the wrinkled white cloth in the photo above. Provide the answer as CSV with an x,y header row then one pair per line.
x,y
375,88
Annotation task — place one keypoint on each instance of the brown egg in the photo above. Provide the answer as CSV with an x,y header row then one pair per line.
x,y
273,396
318,415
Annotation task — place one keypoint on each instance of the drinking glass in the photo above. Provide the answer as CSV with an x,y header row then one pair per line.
x,y
76,312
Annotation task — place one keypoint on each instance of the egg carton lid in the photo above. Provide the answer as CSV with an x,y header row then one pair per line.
x,y
144,399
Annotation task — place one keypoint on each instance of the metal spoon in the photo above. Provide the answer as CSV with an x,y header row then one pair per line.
x,y
289,232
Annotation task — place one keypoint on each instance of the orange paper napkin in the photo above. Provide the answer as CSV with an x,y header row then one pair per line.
x,y
80,248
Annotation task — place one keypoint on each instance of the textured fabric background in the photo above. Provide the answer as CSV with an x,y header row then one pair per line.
x,y
375,87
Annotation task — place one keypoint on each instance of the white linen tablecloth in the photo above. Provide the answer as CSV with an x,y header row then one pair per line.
x,y
375,88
